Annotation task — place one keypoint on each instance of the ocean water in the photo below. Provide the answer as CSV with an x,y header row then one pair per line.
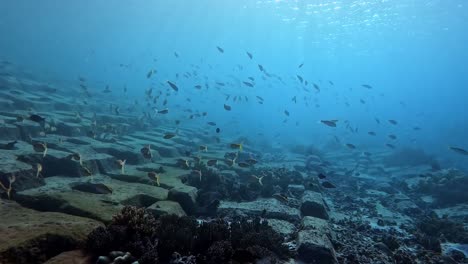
x,y
287,80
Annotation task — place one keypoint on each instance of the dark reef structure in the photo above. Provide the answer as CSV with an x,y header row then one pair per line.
x,y
449,187
173,239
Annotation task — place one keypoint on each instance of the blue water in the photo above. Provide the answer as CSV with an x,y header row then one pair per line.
x,y
413,53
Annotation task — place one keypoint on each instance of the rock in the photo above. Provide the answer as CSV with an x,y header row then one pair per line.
x,y
296,189
9,132
271,208
166,207
186,196
74,256
313,243
29,236
103,260
285,228
313,205
114,254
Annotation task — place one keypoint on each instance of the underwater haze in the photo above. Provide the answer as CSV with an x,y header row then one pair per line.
x,y
373,91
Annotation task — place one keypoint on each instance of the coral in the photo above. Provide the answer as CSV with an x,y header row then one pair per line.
x,y
436,227
218,241
100,241
137,220
220,252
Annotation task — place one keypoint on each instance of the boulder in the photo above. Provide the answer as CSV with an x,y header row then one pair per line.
x,y
312,204
186,196
313,242
166,207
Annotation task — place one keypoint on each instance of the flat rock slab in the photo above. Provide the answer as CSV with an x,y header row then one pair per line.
x,y
166,207
272,208
58,196
285,228
71,257
313,205
29,236
313,242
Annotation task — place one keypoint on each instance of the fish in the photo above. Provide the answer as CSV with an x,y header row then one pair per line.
x,y
259,179
238,146
243,164
328,185
393,122
198,87
259,98
38,170
331,83
366,86
249,55
459,150
121,164
377,120
37,118
40,147
316,87
281,197
351,146
146,152
286,112
300,78
251,161
322,176
227,107
11,180
372,133
260,67
300,65
9,145
221,50
197,173
211,123
86,171
390,146
230,162
203,148
173,86
248,84
163,112
183,163
154,177
150,73
330,123
218,130
294,99
76,157
169,135
392,137
212,162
